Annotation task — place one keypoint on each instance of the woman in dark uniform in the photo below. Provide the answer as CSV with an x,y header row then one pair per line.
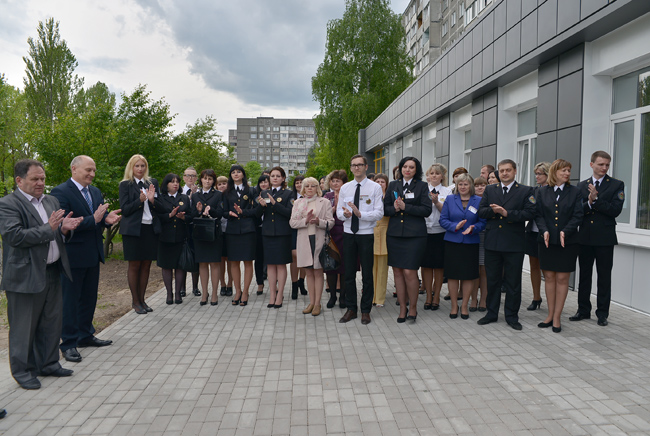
x,y
407,204
139,228
207,203
277,234
532,234
239,208
173,210
263,184
337,178
559,213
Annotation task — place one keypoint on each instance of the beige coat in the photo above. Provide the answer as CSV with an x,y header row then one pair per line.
x,y
322,210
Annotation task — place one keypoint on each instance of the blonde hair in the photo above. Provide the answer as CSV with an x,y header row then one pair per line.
x,y
544,166
465,177
128,171
439,169
222,179
557,165
308,181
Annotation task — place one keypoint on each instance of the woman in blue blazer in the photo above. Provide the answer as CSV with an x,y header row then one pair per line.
x,y
459,217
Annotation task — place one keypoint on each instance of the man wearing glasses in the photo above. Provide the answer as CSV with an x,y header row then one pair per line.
x,y
189,177
359,206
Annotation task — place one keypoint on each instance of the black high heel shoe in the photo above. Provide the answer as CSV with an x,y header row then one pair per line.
x,y
400,320
463,316
427,306
139,309
535,305
454,315
412,317
544,325
277,306
557,329
243,303
204,302
237,301
214,303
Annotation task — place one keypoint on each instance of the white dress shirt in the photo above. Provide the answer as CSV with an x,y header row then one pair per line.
x,y
433,220
53,253
147,218
371,205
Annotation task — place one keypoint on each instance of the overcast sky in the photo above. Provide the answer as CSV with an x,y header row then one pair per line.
x,y
225,58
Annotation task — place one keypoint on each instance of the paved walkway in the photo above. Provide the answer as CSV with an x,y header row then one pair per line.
x,y
203,370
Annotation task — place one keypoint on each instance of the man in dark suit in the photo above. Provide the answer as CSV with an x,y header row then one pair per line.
x,y
506,206
32,227
602,200
85,251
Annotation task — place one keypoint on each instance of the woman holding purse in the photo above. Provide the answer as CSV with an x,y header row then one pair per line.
x,y
311,215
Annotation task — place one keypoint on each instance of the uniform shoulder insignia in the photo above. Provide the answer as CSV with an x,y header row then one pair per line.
x,y
621,195
532,199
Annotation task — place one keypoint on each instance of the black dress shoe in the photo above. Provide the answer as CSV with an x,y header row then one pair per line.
x,y
348,316
602,321
179,301
223,291
342,303
93,342
482,309
427,306
515,325
463,316
3,413
534,305
139,309
485,320
435,306
59,372
473,309
260,292
294,290
30,384
183,293
545,325
214,303
579,317
557,329
71,355
365,318
147,308
196,292
229,291
401,320
171,301
332,301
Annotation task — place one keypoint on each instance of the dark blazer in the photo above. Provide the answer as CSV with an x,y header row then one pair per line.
x,y
244,223
85,248
452,213
213,198
529,224
507,233
276,216
599,222
407,223
25,244
555,216
132,208
173,229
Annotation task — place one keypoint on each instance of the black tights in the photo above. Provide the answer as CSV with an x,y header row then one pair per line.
x,y
332,280
195,279
168,275
138,277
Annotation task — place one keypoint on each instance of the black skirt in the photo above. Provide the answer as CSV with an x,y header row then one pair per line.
x,y
143,247
277,249
208,252
241,247
531,244
558,259
434,257
461,261
168,254
406,253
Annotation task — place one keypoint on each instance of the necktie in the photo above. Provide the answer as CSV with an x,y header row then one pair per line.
x,y
406,186
84,191
597,184
434,191
505,190
558,191
275,191
140,184
355,219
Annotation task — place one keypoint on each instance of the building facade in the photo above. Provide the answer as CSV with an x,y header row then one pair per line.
x,y
537,80
274,142
432,26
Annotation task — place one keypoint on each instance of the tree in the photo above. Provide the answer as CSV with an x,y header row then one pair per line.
x,y
13,124
49,81
253,171
366,67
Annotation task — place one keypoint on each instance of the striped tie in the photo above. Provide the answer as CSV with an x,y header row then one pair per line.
x,y
84,191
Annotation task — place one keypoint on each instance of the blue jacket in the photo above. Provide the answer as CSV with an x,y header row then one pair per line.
x,y
452,213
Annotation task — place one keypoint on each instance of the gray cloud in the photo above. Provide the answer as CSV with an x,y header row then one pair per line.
x,y
265,52
104,63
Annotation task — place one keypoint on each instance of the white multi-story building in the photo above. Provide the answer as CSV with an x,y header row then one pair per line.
x,y
274,142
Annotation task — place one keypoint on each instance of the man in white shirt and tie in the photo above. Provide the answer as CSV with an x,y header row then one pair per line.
x,y
359,206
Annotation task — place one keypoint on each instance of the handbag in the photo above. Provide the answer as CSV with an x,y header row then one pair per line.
x,y
205,229
186,261
329,257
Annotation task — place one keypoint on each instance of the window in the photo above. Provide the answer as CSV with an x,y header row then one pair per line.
x,y
254,135
631,144
527,146
276,129
444,28
467,153
461,10
453,19
253,128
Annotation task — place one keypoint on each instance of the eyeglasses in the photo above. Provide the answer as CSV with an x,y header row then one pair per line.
x,y
191,176
357,165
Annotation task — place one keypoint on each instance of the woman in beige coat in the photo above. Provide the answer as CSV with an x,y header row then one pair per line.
x,y
311,215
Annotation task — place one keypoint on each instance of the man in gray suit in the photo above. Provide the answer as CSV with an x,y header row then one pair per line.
x,y
32,226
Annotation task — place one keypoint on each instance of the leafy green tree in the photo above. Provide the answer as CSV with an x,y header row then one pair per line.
x,y
49,82
253,171
366,67
13,124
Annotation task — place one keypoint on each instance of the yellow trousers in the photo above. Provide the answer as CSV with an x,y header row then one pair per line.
x,y
380,277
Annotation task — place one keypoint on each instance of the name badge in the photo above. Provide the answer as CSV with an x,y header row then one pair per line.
x,y
409,195
472,209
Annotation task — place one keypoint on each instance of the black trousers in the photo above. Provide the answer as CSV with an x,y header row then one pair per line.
x,y
79,302
604,257
361,247
503,269
35,329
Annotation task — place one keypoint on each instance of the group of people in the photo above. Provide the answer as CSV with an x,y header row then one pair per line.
x,y
472,233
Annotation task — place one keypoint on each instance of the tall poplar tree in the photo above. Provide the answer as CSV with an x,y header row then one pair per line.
x,y
366,67
50,82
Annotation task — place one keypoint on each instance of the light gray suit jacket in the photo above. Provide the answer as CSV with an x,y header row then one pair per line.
x,y
25,243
